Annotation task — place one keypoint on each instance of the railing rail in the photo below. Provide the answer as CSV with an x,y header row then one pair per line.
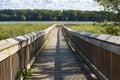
x,y
19,53
103,51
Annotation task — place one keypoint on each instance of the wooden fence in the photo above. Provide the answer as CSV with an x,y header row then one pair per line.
x,y
103,51
19,53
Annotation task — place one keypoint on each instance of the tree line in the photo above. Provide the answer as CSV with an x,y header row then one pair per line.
x,y
55,15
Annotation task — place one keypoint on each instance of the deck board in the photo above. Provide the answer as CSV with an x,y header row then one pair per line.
x,y
59,62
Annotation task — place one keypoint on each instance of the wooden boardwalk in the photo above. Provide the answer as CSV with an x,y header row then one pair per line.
x,y
59,62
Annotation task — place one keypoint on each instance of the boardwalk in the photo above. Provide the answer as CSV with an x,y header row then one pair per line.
x,y
59,62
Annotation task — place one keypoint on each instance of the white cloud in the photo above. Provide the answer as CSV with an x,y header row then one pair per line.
x,y
50,4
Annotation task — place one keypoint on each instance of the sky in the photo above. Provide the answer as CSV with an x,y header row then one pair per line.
x,y
89,5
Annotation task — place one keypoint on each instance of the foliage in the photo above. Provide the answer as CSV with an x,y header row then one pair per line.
x,y
113,5
111,29
98,28
54,15
13,30
110,4
25,73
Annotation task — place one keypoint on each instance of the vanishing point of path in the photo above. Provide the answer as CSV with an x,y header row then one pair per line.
x,y
59,62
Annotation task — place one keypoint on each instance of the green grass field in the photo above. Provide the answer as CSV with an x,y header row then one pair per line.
x,y
13,30
97,29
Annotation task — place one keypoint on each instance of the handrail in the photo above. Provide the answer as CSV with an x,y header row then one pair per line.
x,y
20,52
112,43
103,51
9,46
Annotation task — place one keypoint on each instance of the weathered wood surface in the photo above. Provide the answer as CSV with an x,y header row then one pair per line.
x,y
59,62
103,51
19,53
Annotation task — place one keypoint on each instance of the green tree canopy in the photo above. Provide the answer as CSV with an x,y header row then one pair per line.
x,y
113,5
54,15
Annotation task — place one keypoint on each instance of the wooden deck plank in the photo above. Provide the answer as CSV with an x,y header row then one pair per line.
x,y
58,62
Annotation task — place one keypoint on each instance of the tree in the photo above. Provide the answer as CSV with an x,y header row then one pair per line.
x,y
54,15
21,17
111,5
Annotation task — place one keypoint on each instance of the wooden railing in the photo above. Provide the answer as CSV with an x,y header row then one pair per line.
x,y
19,53
101,51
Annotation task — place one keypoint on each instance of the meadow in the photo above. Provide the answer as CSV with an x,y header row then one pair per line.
x,y
97,28
13,30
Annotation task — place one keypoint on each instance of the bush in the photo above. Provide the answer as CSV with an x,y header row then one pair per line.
x,y
111,29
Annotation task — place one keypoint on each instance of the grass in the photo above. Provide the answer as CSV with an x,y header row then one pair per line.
x,y
13,30
97,29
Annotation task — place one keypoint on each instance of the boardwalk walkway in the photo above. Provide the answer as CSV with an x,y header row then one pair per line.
x,y
58,62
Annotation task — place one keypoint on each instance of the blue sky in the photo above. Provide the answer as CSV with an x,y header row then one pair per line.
x,y
50,4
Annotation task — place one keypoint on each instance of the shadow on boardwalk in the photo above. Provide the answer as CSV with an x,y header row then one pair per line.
x,y
59,62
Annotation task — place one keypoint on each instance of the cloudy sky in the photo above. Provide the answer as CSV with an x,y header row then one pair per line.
x,y
50,4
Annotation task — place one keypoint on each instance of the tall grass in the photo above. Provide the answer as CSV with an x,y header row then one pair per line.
x,y
13,30
97,29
